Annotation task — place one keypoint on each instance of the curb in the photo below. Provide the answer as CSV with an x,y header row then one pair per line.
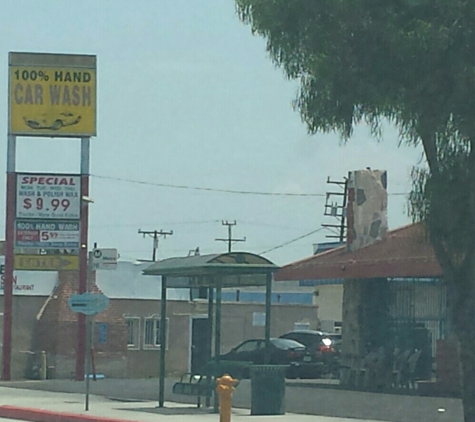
x,y
41,415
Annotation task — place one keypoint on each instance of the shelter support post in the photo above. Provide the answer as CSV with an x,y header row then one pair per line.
x,y
163,327
268,315
217,335
210,334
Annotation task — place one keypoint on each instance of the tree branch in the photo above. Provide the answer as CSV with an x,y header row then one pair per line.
x,y
428,138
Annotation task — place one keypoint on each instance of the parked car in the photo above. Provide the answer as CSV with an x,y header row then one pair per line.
x,y
324,348
282,352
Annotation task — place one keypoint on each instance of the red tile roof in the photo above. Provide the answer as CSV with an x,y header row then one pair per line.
x,y
405,252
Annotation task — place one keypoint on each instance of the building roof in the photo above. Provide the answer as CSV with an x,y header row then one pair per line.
x,y
232,269
405,252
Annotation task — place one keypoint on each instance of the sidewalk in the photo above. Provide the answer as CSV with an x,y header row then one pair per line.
x,y
44,406
302,398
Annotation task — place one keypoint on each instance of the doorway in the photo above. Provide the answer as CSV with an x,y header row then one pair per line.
x,y
200,343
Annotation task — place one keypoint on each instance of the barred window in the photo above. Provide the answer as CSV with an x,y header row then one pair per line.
x,y
133,330
152,333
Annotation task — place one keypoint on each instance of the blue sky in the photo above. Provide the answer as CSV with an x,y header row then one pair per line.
x,y
188,96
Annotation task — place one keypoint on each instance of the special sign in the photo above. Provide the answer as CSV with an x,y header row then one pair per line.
x,y
52,95
48,196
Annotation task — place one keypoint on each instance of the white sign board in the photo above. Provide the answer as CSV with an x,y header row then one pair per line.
x,y
31,283
104,259
48,196
259,319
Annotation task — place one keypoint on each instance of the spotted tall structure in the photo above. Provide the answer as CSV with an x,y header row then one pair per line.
x,y
367,208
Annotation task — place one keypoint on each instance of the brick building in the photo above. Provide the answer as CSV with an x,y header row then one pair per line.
x,y
126,334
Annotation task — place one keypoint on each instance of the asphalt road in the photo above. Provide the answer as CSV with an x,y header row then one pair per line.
x,y
304,398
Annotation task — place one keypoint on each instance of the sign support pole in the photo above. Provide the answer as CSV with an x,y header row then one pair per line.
x,y
82,323
90,337
9,242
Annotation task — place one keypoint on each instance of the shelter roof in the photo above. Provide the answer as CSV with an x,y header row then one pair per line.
x,y
231,269
405,252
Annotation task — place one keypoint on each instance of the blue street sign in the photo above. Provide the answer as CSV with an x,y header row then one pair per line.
x,y
88,303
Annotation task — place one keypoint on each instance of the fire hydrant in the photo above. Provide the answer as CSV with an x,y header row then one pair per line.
x,y
225,388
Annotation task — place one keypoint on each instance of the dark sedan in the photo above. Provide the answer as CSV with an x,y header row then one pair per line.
x,y
281,352
324,348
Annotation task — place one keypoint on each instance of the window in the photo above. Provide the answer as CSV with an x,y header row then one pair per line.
x,y
133,330
151,338
249,346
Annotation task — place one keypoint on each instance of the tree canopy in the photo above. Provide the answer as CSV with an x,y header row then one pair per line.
x,y
411,62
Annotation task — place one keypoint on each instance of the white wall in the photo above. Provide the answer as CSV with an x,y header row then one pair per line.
x,y
128,282
329,301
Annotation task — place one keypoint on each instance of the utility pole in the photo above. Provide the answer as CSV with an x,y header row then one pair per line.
x,y
230,239
337,209
155,234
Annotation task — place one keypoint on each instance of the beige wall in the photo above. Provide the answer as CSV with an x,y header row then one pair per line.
x,y
237,326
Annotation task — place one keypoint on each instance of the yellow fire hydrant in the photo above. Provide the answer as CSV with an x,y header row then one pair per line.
x,y
225,388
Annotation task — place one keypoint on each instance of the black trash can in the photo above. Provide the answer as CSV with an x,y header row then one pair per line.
x,y
268,389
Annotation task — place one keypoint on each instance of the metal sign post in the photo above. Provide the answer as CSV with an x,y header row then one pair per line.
x,y
88,304
8,269
90,337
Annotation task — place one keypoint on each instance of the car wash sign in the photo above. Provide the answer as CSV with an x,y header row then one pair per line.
x,y
47,234
48,196
52,95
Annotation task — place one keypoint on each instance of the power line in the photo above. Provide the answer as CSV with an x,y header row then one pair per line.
x,y
232,191
179,223
241,192
291,241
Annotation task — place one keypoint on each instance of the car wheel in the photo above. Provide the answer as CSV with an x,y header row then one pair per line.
x,y
58,124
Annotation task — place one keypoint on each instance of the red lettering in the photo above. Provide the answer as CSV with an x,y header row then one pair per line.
x,y
42,180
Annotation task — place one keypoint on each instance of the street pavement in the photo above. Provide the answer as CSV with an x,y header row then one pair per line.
x,y
44,406
304,401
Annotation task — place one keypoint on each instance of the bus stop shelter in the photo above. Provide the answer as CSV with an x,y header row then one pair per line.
x,y
213,272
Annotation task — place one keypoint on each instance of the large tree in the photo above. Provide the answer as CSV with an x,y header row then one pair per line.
x,y
410,62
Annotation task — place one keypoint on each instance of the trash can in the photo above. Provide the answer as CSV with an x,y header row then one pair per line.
x,y
268,389
50,372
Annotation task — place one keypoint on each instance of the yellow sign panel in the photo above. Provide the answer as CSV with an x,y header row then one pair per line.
x,y
47,262
52,95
